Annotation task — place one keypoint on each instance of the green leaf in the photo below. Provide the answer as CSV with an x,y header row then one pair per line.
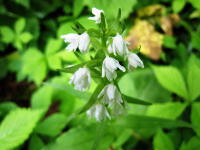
x,y
195,40
34,67
78,7
26,37
139,84
193,79
81,138
16,127
7,34
70,89
135,100
161,141
65,28
169,41
5,107
41,99
53,46
192,144
169,110
53,58
24,3
52,125
171,79
20,25
125,5
145,122
178,5
36,143
122,138
195,3
54,62
195,117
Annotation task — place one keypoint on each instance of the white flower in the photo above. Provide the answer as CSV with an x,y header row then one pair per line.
x,y
97,15
109,66
118,46
84,41
117,109
110,95
134,61
77,41
72,39
81,79
99,112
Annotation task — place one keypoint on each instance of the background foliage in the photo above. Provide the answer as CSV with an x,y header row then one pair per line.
x,y
38,107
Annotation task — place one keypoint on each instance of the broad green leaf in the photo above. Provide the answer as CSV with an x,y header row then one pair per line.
x,y
125,5
20,25
52,125
41,99
53,46
135,100
139,84
192,144
26,37
195,117
16,127
162,141
54,62
169,110
87,23
178,5
195,40
18,44
146,122
70,89
53,58
77,7
24,3
65,28
6,107
36,143
171,79
169,41
193,79
82,138
7,34
122,138
34,67
195,3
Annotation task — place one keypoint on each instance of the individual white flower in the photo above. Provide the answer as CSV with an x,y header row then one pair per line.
x,y
81,79
109,67
110,95
97,15
72,39
84,41
99,112
77,41
118,46
117,109
134,61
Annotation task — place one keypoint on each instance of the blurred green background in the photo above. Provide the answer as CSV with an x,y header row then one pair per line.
x,y
37,105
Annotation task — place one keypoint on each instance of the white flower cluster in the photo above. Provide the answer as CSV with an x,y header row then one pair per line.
x,y
110,101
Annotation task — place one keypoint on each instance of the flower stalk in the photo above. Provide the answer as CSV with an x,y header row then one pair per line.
x,y
107,65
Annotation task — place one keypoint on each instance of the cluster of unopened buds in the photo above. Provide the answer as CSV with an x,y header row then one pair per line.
x,y
110,59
